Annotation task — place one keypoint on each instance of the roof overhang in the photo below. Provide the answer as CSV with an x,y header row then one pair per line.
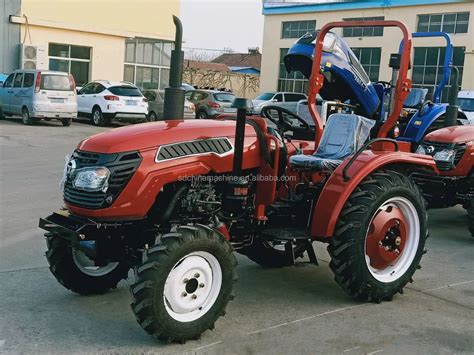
x,y
277,8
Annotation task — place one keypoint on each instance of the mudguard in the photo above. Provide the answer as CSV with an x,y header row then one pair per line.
x,y
421,121
337,191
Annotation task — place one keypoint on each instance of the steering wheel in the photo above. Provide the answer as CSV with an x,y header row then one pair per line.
x,y
284,123
386,84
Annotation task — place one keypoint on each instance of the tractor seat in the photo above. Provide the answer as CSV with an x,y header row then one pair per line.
x,y
343,135
416,98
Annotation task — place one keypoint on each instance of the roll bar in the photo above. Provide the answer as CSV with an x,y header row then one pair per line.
x,y
447,63
402,89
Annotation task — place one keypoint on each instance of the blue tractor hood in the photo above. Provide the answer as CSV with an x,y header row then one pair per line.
x,y
345,78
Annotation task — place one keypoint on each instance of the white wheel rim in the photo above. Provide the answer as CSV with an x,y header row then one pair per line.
x,y
404,261
192,286
87,266
96,117
25,117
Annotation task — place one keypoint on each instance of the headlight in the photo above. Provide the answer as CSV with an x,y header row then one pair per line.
x,y
420,150
445,155
94,178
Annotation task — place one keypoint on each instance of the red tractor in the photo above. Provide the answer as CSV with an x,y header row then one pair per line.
x,y
452,148
175,199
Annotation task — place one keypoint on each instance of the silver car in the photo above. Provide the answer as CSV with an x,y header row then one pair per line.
x,y
156,101
288,100
39,94
212,103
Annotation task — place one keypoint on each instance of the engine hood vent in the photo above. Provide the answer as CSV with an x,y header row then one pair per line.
x,y
217,146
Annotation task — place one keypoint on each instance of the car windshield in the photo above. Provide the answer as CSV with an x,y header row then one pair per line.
x,y
265,96
55,82
466,104
124,90
224,97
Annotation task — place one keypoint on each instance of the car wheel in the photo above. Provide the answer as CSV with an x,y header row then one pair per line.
x,y
202,115
98,118
25,116
152,117
66,121
2,116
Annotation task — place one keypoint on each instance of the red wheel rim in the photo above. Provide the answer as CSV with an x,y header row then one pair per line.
x,y
386,237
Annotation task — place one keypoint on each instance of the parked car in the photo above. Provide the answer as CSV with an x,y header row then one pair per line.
x,y
466,103
104,101
156,101
288,100
36,95
211,103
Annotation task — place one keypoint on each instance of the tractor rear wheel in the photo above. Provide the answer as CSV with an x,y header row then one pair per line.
x,y
184,283
380,237
470,213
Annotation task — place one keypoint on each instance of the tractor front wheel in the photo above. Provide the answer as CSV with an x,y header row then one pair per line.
x,y
76,272
184,283
380,237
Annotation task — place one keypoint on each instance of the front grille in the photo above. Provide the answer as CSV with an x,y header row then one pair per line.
x,y
122,166
459,149
201,146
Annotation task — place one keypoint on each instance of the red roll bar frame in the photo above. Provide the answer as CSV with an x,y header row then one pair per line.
x,y
402,88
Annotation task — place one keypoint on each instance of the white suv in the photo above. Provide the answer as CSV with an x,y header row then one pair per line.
x,y
104,101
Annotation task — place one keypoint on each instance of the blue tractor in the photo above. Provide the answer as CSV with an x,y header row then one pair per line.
x,y
347,77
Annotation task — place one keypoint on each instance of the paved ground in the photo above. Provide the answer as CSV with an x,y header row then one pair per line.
x,y
297,309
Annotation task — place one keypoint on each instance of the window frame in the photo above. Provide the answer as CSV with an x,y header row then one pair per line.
x,y
442,22
297,83
299,31
345,30
165,47
70,59
21,82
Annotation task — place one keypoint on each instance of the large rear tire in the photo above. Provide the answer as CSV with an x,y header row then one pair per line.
x,y
380,237
77,273
184,283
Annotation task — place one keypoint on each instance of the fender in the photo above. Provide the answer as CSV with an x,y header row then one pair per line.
x,y
420,122
336,191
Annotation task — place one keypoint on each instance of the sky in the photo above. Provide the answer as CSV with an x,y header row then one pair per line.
x,y
219,24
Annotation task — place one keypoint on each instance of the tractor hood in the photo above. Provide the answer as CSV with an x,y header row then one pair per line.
x,y
456,134
345,78
153,134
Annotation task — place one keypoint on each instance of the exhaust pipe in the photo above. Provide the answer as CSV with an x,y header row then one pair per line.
x,y
452,110
174,94
242,105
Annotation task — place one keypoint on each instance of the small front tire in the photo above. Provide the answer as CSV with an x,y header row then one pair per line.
x,y
379,238
184,283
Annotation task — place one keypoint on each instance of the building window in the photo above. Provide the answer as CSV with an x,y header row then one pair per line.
x,y
147,63
363,31
71,59
296,29
428,67
370,60
449,23
293,81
